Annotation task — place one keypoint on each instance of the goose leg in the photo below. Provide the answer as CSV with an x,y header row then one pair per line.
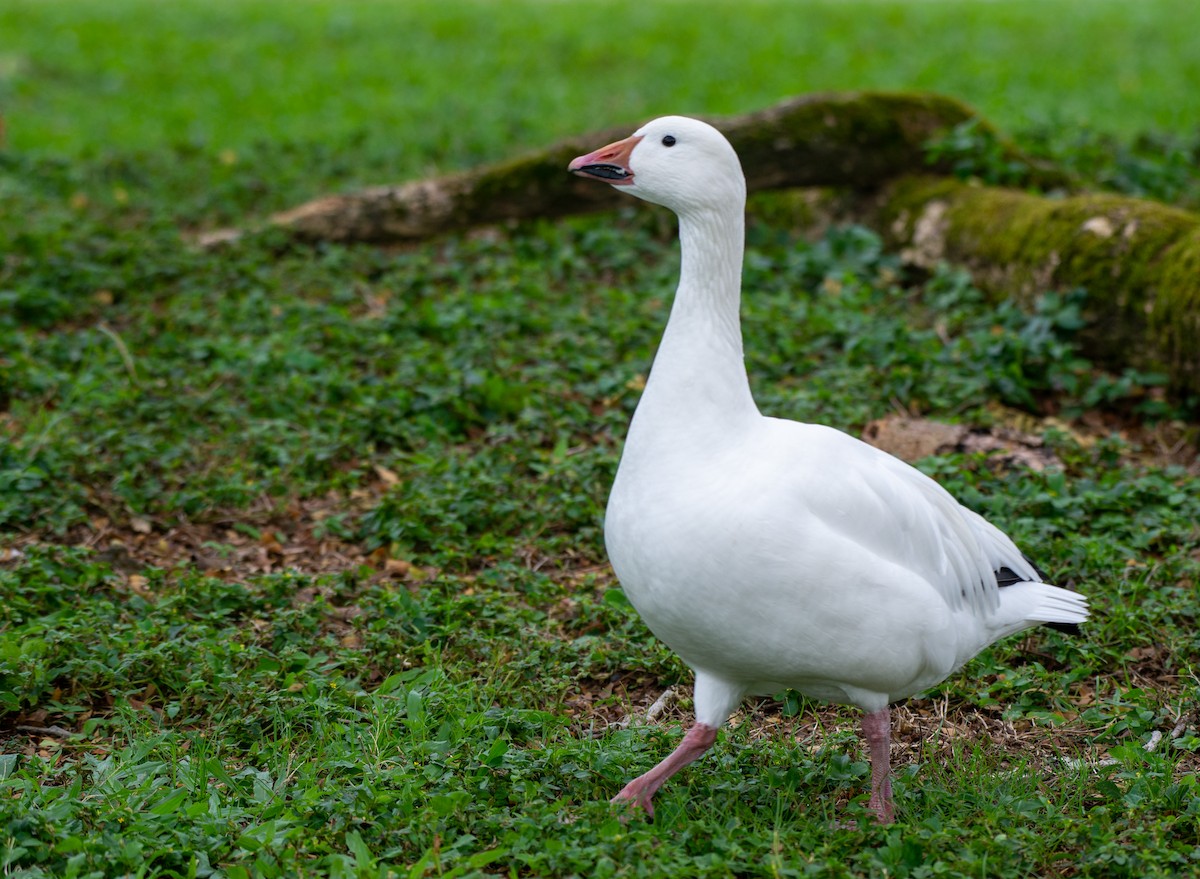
x,y
877,728
639,792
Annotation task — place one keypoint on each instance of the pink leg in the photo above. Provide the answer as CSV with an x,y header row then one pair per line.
x,y
639,792
877,729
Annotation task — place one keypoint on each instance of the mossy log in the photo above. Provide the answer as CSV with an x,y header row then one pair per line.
x,y
855,139
1138,260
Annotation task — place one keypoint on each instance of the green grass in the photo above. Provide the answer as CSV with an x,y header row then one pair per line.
x,y
300,550
444,84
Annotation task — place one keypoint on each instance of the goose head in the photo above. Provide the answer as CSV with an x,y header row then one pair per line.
x,y
677,162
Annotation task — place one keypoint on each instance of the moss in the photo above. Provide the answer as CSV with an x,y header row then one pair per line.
x,y
859,139
1138,260
1174,320
807,211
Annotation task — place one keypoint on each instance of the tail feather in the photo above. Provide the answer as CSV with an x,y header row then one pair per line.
x,y
1060,608
1059,605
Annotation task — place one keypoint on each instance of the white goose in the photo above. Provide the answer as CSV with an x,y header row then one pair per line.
x,y
771,554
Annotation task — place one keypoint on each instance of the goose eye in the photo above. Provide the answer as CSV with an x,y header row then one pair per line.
x,y
668,140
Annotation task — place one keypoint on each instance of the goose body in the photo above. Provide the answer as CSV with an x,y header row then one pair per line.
x,y
772,554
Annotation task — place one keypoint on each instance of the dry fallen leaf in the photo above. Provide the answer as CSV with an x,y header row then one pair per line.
x,y
397,567
138,584
911,439
388,477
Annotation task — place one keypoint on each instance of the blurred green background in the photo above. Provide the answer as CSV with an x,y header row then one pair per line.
x,y
451,83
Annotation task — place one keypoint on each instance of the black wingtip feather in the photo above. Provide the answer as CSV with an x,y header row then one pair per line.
x,y
1065,628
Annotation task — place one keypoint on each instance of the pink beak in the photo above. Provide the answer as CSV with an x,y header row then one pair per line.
x,y
609,164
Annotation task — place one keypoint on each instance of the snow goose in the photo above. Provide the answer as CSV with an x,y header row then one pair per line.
x,y
771,554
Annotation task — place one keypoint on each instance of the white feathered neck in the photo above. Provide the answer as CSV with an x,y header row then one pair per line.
x,y
698,384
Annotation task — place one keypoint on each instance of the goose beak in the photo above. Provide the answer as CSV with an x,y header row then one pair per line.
x,y
609,164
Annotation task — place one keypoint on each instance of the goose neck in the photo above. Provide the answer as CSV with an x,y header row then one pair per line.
x,y
710,277
699,373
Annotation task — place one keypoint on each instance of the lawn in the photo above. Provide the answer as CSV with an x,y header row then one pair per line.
x,y
450,83
300,548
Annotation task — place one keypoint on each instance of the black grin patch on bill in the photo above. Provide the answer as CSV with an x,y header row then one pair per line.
x,y
604,171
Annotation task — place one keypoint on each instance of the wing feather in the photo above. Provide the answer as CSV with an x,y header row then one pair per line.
x,y
898,513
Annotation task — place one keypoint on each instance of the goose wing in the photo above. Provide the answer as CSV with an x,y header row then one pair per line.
x,y
895,512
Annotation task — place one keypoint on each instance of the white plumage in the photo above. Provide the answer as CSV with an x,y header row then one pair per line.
x,y
772,554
